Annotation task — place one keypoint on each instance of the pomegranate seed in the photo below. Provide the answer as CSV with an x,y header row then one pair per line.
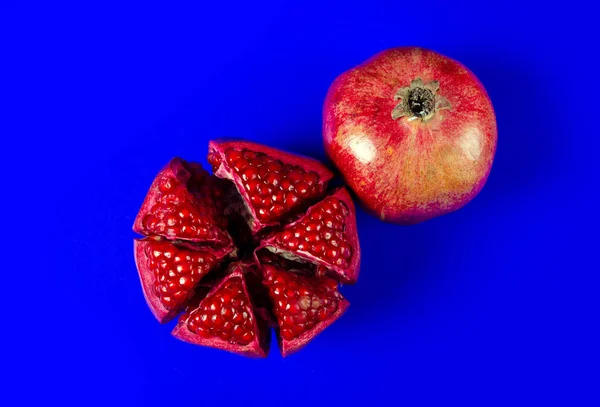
x,y
278,196
312,236
272,179
302,188
167,185
313,226
286,185
239,164
295,176
232,155
331,253
249,155
287,334
278,210
249,173
291,199
311,178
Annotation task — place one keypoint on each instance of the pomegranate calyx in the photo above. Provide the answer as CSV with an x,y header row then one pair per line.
x,y
419,101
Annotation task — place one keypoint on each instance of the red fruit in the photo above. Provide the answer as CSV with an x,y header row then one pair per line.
x,y
225,319
261,214
182,203
325,236
271,182
303,305
413,133
169,272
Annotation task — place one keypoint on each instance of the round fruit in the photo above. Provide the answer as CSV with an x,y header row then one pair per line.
x,y
218,250
412,132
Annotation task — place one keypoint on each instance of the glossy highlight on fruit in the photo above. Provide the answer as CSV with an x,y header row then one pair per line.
x,y
264,243
412,132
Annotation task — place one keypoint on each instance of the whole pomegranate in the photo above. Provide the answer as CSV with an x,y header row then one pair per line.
x,y
412,132
263,243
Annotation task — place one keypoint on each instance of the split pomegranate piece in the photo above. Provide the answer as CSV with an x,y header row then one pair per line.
x,y
271,182
226,319
304,305
183,203
262,243
169,272
326,236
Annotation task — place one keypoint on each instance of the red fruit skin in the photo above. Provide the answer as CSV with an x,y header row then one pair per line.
x,y
288,347
408,171
147,279
347,275
258,348
193,186
216,151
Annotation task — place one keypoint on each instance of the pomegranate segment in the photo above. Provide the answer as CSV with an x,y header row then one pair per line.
x,y
181,205
169,272
303,305
272,183
326,236
225,319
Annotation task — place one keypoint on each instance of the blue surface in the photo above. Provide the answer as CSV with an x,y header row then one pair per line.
x,y
494,304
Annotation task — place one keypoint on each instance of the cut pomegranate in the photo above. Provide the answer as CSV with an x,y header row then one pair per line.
x,y
303,305
262,245
225,319
169,272
326,236
272,183
181,205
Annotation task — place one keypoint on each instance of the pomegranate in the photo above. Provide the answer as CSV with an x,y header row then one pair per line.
x,y
412,132
263,243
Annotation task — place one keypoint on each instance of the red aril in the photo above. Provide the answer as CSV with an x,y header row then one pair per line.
x,y
412,132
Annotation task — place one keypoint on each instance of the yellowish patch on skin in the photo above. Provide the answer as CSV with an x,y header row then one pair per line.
x,y
390,151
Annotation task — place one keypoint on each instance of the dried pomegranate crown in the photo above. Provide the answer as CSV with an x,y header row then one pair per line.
x,y
261,243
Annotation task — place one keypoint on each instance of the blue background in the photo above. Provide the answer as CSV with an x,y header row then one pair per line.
x,y
494,304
